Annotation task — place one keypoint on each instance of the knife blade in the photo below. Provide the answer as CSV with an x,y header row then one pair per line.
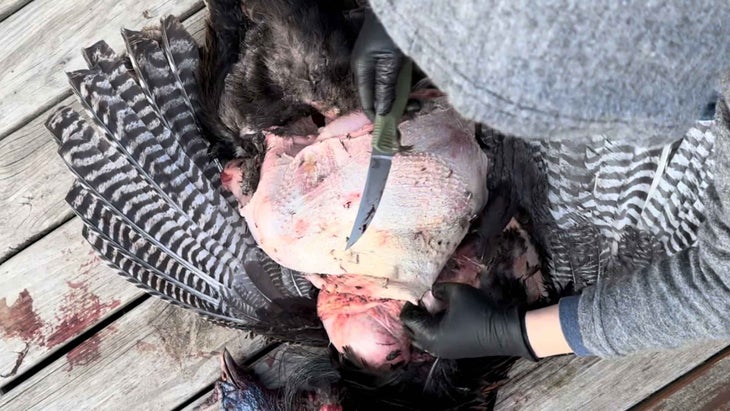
x,y
386,143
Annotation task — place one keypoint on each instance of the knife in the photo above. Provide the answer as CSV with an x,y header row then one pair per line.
x,y
386,143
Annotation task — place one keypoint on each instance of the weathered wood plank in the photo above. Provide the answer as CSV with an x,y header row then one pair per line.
x,y
33,184
572,383
34,180
705,388
50,293
8,7
208,402
152,358
32,71
569,383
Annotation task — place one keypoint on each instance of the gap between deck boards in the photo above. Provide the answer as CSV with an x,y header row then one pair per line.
x,y
20,121
155,357
10,9
196,15
652,401
648,402
71,344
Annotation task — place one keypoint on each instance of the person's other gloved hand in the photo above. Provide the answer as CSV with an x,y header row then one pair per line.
x,y
376,62
470,327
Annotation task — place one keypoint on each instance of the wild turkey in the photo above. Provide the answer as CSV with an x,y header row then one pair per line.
x,y
149,191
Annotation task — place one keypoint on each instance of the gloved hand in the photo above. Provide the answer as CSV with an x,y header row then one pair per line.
x,y
376,62
470,327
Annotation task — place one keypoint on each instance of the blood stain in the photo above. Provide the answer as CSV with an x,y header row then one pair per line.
x,y
20,320
85,353
85,268
81,309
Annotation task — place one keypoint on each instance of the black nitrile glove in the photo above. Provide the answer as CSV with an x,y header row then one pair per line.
x,y
470,327
376,62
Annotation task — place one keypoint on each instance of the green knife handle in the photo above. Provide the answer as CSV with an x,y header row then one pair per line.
x,y
385,128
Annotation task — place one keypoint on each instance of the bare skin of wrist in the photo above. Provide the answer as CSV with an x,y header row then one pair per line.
x,y
544,332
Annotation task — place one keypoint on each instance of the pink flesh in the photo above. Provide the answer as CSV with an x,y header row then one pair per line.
x,y
370,326
309,193
306,202
231,179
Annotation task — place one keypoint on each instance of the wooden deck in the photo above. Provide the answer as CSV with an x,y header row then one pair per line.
x,y
74,335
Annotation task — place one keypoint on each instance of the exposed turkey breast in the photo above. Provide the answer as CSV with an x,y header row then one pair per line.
x,y
307,200
310,191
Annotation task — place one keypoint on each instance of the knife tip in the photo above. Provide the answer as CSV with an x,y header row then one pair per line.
x,y
351,241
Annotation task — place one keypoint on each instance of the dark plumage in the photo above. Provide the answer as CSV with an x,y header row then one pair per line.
x,y
151,201
149,193
267,64
163,222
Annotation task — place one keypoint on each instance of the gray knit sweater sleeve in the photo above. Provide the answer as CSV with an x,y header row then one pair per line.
x,y
568,68
681,299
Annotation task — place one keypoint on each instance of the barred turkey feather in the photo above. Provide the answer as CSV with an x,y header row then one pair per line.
x,y
169,96
120,73
183,57
607,206
100,53
126,87
150,197
114,192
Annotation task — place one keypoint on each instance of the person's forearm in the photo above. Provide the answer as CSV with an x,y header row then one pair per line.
x,y
545,333
677,300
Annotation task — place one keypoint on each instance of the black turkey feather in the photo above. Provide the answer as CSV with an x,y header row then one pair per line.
x,y
150,196
149,193
161,120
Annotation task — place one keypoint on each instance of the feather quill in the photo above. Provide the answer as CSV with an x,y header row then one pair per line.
x,y
150,198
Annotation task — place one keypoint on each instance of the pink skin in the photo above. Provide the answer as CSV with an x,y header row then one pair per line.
x,y
353,124
309,193
231,179
306,202
370,326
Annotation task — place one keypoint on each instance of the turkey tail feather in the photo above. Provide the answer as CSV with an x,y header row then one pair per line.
x,y
150,197
183,57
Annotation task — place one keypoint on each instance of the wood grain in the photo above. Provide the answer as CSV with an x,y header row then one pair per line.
x,y
153,358
208,402
8,7
33,184
707,387
46,38
570,383
50,293
34,180
573,383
